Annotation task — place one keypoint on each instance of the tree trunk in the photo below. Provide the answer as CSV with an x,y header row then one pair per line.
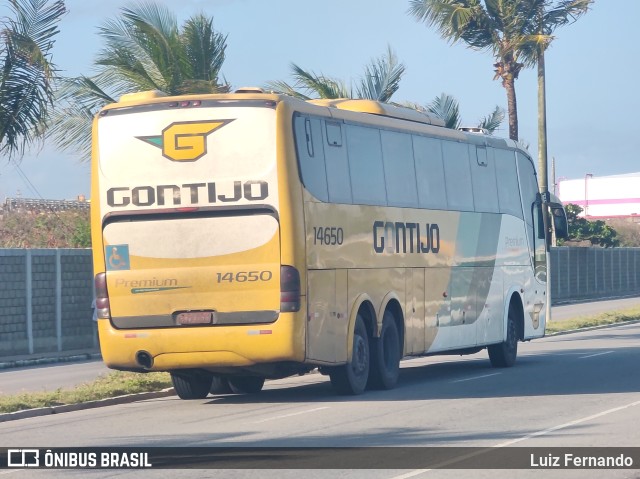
x,y
512,106
542,126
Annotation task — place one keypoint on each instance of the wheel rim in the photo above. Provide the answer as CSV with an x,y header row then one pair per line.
x,y
360,356
512,340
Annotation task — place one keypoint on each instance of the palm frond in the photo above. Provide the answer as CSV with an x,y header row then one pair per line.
x,y
204,48
446,107
81,99
144,48
565,12
493,120
26,92
456,20
284,88
382,78
322,86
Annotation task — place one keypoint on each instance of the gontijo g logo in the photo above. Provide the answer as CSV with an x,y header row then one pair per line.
x,y
186,140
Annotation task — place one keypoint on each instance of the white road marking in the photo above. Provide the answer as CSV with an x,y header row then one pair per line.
x,y
596,354
569,424
411,474
528,436
292,414
475,377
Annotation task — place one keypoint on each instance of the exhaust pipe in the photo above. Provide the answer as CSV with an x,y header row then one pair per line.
x,y
144,359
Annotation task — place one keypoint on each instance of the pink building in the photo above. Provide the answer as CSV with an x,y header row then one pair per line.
x,y
616,196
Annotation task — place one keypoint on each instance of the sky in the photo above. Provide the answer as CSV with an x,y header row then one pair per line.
x,y
592,75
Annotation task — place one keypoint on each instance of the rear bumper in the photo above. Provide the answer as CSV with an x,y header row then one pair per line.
x,y
205,347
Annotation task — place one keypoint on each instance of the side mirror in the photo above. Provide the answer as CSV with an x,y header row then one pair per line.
x,y
560,224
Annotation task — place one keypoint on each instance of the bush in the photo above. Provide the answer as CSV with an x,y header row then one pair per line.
x,y
53,229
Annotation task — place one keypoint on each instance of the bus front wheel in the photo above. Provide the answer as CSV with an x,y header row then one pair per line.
x,y
352,377
504,355
191,384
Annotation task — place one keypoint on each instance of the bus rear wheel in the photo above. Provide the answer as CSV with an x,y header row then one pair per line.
x,y
246,384
220,386
504,355
191,384
352,377
385,355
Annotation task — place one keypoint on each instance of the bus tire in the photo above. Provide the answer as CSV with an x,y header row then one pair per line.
x,y
504,355
246,384
385,355
191,384
352,377
220,386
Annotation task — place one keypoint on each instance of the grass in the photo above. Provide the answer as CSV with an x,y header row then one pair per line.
x,y
590,321
118,383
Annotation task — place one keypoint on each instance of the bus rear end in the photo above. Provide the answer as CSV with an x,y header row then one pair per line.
x,y
186,235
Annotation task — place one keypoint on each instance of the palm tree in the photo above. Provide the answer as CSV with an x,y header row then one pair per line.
x,y
497,26
447,107
510,29
546,16
144,50
26,75
381,80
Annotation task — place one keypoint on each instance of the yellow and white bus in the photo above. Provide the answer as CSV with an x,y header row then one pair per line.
x,y
247,236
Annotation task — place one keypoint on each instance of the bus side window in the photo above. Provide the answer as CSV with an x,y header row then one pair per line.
x,y
427,155
507,180
365,164
337,164
457,175
310,153
483,176
334,133
399,169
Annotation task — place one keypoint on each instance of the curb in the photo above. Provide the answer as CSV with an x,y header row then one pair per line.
x,y
20,363
44,411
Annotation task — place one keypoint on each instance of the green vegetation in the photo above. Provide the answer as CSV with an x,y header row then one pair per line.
x,y
114,384
26,71
51,229
380,81
596,233
590,321
145,49
516,32
119,383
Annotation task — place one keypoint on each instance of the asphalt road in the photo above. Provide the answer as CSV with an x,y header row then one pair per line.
x,y
574,390
50,377
67,375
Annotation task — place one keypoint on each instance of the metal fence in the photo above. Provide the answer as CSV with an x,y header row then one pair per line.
x,y
594,273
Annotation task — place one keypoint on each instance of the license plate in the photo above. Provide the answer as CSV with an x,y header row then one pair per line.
x,y
195,317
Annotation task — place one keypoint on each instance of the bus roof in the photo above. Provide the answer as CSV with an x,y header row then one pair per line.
x,y
381,109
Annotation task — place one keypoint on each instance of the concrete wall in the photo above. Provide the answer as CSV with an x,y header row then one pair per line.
x,y
45,301
46,294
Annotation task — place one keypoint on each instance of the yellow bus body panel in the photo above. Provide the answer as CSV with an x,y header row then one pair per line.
x,y
195,347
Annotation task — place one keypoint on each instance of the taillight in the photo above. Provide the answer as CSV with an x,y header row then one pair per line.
x,y
102,296
289,289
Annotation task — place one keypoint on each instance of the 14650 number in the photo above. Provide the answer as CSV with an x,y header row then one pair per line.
x,y
328,235
245,276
